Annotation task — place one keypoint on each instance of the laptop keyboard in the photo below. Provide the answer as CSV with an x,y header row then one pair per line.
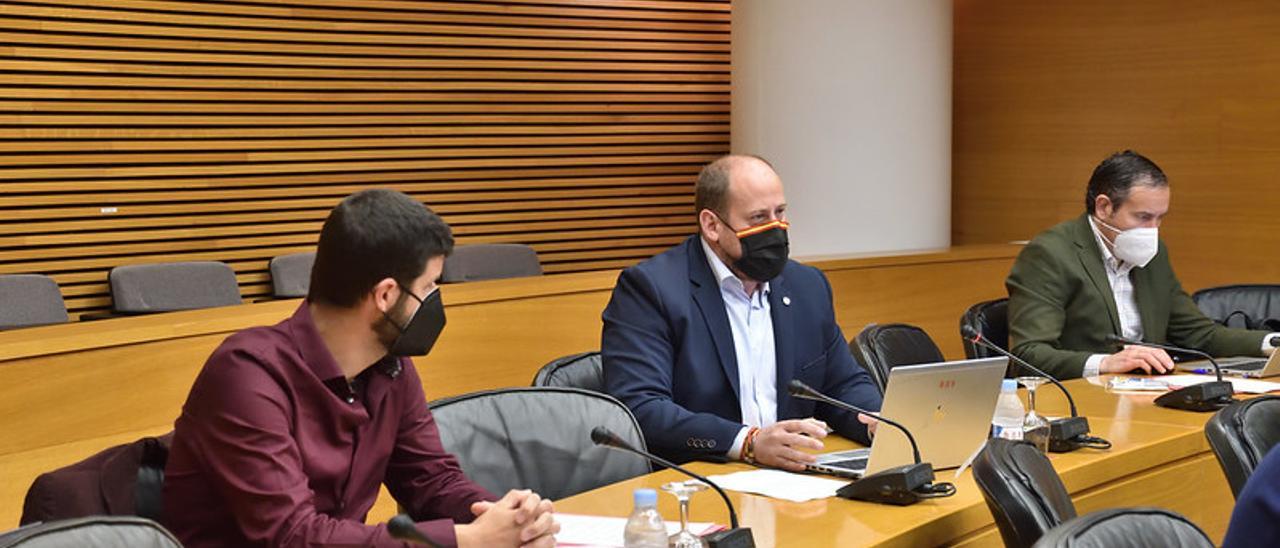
x,y
849,464
1253,365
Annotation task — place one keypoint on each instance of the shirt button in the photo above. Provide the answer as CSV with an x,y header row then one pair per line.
x,y
351,399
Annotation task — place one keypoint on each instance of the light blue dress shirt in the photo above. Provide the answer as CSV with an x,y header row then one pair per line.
x,y
753,345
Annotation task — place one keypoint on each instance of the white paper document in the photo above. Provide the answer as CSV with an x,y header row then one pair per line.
x,y
1247,386
780,485
600,531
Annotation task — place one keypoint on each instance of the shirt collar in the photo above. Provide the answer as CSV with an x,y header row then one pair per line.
x,y
311,346
317,356
722,272
1108,258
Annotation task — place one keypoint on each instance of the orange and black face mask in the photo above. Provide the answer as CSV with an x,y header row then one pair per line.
x,y
764,250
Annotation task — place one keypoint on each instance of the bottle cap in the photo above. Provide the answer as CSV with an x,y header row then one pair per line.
x,y
645,497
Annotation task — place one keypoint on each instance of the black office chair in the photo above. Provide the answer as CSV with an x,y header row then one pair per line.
x,y
97,531
1023,491
584,370
1252,306
1241,434
883,347
1126,528
991,319
538,438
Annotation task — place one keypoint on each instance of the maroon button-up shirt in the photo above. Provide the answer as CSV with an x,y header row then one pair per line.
x,y
275,448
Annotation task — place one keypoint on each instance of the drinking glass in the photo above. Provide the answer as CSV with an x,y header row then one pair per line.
x,y
683,490
1035,428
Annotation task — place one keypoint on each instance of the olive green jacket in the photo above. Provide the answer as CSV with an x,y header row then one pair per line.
x,y
1061,307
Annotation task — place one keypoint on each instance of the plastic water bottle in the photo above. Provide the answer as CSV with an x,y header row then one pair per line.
x,y
645,528
1007,422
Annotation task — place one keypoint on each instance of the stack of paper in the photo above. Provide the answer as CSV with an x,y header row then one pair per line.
x,y
1245,386
780,485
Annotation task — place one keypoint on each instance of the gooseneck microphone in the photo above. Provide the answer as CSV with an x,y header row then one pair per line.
x,y
1206,396
1066,434
900,485
402,527
975,337
733,537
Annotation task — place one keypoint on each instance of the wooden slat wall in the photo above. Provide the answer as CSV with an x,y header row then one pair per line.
x,y
135,131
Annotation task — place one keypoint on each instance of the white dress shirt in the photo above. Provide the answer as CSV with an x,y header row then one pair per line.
x,y
753,346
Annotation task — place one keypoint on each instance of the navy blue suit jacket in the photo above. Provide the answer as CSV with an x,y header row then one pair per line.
x,y
1256,518
669,355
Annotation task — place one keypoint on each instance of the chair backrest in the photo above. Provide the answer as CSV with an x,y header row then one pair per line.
x,y
291,274
30,300
883,347
1241,434
538,438
584,370
472,263
125,480
1126,527
97,531
166,287
1241,305
991,319
1023,491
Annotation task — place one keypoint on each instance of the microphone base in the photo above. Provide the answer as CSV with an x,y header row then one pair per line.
x,y
1203,397
1064,432
899,486
731,538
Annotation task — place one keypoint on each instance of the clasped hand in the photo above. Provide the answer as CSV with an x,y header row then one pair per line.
x,y
521,518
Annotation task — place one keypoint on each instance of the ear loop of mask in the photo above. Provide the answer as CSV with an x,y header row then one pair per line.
x,y
403,291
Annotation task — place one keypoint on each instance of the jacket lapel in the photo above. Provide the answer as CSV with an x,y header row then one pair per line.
x,y
783,338
706,294
1091,258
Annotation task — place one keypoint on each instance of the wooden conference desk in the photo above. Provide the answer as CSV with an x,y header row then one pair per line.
x,y
1160,458
68,391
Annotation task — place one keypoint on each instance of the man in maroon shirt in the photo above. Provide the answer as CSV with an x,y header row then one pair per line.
x,y
289,429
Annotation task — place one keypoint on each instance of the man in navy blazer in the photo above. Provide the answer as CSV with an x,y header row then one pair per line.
x,y
702,340
1255,521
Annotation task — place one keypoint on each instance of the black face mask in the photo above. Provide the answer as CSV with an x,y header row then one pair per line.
x,y
420,334
764,250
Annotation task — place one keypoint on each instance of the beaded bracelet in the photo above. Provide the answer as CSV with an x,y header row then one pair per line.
x,y
749,446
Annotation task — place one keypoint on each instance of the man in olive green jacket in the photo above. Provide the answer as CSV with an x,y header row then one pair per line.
x,y
1106,272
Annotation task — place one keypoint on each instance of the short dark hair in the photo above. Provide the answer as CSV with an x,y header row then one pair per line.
x,y
712,190
373,235
1116,175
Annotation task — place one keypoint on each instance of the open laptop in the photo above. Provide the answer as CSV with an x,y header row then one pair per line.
x,y
1248,367
947,407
